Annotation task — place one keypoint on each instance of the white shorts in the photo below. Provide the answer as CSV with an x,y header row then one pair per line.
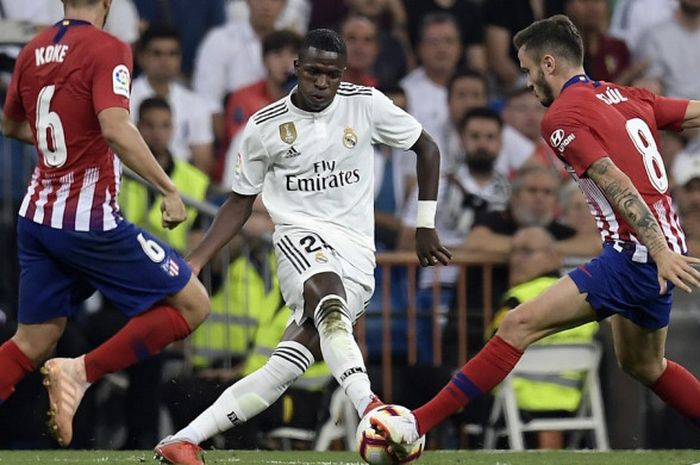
x,y
302,253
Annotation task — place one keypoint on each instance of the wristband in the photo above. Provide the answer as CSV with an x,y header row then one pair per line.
x,y
425,214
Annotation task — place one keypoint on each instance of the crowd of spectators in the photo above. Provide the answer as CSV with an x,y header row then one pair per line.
x,y
203,70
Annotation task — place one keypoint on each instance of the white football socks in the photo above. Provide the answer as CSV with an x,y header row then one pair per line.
x,y
252,394
340,351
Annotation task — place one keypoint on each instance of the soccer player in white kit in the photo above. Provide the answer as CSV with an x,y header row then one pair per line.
x,y
310,155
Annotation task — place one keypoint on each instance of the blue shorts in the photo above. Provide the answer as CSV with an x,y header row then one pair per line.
x,y
61,268
618,285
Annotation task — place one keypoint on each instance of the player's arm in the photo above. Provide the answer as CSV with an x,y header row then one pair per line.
x,y
692,115
428,247
227,223
19,130
126,141
628,202
14,121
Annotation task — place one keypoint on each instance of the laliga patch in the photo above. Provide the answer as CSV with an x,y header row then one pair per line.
x,y
121,80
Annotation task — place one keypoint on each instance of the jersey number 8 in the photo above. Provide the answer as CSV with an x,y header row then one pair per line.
x,y
54,155
643,140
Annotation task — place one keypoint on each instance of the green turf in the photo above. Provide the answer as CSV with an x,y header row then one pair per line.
x,y
677,457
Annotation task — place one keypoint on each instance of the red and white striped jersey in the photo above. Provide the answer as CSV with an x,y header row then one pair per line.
x,y
63,79
591,120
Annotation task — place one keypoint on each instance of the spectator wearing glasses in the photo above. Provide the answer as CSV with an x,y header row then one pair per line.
x,y
533,203
535,265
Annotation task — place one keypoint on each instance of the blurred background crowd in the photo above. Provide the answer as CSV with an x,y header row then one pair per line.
x,y
203,67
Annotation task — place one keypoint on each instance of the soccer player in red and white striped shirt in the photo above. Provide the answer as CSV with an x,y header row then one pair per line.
x,y
69,96
607,137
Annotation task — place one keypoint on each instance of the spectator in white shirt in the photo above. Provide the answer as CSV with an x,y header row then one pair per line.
x,y
631,18
439,51
230,56
160,57
295,16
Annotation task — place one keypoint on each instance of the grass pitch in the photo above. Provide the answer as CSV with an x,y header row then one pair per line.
x,y
61,457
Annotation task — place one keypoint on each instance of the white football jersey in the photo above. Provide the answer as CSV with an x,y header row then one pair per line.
x,y
316,169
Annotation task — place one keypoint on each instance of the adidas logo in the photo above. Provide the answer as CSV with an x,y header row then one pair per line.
x,y
292,152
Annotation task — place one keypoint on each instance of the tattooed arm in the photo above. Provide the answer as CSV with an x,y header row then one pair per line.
x,y
628,202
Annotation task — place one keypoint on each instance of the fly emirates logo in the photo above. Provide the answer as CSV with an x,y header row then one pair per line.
x,y
50,54
325,177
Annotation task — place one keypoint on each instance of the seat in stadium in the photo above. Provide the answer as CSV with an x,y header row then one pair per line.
x,y
546,360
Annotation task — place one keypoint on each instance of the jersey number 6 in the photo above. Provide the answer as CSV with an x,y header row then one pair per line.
x,y
643,140
50,130
151,248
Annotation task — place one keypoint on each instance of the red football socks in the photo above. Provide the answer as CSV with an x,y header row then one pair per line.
x,y
143,336
480,374
14,366
681,390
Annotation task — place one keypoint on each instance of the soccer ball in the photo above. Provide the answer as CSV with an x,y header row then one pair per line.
x,y
373,447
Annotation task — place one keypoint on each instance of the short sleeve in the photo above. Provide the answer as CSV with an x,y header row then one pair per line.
x,y
669,112
572,140
391,125
251,163
111,77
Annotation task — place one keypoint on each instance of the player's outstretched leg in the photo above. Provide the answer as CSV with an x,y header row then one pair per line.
x,y
239,403
479,375
66,382
67,379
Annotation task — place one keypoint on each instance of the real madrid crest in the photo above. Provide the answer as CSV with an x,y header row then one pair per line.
x,y
288,132
349,138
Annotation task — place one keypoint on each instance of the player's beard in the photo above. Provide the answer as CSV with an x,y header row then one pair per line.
x,y
543,91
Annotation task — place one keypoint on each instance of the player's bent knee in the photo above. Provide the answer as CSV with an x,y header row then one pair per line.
x,y
332,316
517,328
644,371
193,302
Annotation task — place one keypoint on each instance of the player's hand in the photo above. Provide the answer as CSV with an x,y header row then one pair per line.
x,y
173,210
429,249
678,269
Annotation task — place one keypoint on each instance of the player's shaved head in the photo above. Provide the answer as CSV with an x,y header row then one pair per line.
x,y
325,40
555,36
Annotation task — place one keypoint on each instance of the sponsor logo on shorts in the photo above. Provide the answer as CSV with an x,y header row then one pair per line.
x,y
321,257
